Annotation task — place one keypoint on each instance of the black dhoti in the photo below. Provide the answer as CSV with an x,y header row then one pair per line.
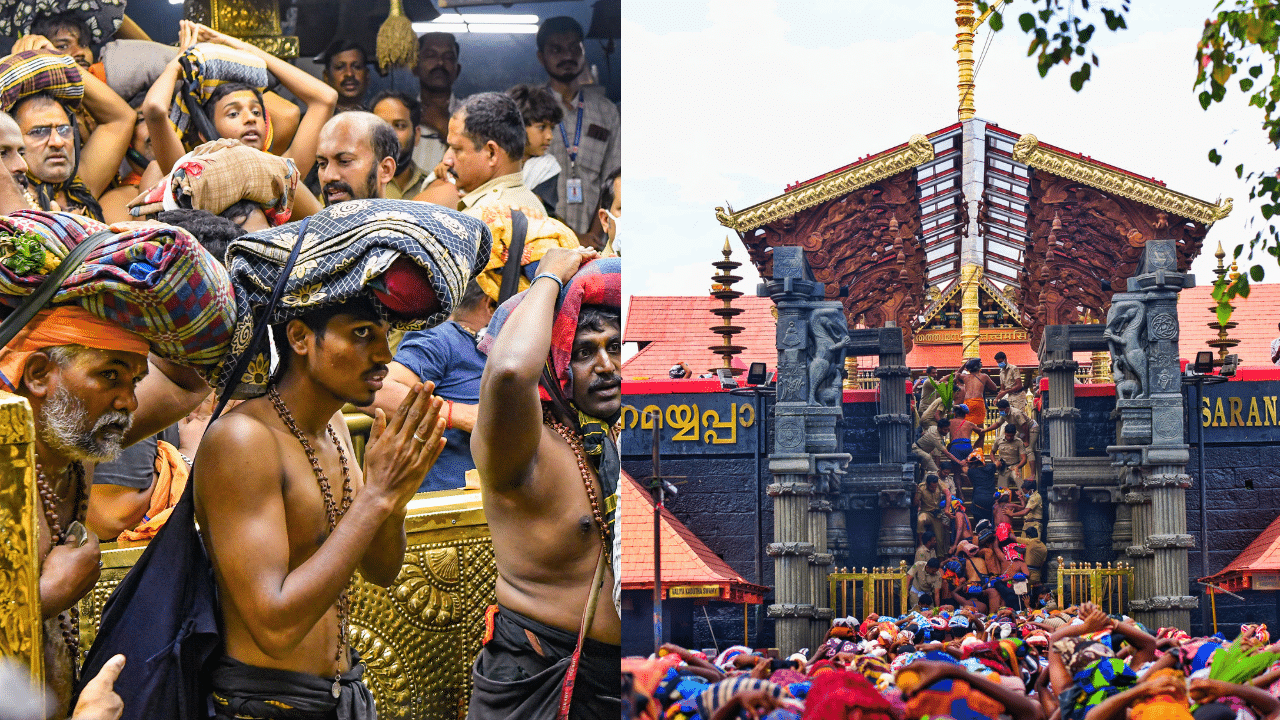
x,y
245,691
515,676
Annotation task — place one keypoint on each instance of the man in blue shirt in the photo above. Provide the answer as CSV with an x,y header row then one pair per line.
x,y
445,355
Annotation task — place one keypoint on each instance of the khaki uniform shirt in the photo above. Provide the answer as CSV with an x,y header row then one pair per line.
x,y
922,581
930,501
931,442
504,191
1009,451
923,554
417,181
1035,512
599,153
1010,376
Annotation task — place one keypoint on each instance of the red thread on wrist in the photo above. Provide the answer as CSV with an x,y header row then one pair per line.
x,y
448,419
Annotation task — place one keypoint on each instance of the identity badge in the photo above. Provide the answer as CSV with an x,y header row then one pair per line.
x,y
573,188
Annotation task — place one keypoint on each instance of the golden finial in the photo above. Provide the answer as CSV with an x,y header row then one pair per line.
x,y
1235,272
1222,341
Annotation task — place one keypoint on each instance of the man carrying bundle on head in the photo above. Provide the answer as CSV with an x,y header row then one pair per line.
x,y
252,188
42,90
102,366
545,447
214,89
284,513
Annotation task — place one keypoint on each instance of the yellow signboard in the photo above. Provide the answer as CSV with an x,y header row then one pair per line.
x,y
693,591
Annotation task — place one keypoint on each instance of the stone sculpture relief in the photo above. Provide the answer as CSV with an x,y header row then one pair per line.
x,y
830,338
1126,323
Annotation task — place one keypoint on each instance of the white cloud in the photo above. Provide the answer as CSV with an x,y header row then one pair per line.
x,y
759,94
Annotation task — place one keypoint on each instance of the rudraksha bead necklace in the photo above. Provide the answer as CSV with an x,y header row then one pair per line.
x,y
68,622
331,509
575,443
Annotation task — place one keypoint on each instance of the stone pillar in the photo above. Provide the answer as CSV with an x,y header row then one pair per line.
x,y
1142,331
820,563
807,456
896,542
1063,535
1122,530
894,420
791,549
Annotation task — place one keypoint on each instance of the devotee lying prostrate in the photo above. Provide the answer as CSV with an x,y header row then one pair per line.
x,y
100,375
285,515
1077,664
545,446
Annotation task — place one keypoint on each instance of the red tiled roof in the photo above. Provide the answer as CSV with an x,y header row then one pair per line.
x,y
678,329
1261,557
686,560
1255,316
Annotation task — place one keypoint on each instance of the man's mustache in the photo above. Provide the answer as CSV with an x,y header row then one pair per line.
x,y
121,421
604,382
339,186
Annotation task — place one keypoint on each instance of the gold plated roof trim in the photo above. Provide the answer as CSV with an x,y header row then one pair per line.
x,y
917,152
1028,151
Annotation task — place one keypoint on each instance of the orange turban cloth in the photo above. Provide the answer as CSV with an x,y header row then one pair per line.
x,y
64,325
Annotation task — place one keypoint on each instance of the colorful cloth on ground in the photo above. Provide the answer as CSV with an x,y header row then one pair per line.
x,y
63,325
205,66
543,233
1163,707
647,676
33,72
954,698
347,248
157,282
1078,652
171,479
1100,680
101,17
724,660
1197,654
719,693
219,174
832,693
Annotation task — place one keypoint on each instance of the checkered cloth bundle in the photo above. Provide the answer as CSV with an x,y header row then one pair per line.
x,y
156,281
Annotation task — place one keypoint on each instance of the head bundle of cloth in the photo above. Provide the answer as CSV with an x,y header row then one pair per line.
x,y
543,233
101,17
219,174
35,72
153,287
598,282
352,249
205,66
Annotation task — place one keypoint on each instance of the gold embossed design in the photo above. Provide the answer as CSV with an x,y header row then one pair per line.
x,y
1030,152
917,152
418,637
257,22
21,630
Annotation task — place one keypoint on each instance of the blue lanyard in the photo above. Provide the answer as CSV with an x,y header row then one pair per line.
x,y
577,134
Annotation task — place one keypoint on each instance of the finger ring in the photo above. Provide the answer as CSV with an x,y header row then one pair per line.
x,y
419,438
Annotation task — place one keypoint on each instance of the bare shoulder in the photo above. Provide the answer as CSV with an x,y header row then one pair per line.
x,y
238,448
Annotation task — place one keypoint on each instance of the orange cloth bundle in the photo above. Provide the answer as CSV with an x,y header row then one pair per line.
x,y
171,479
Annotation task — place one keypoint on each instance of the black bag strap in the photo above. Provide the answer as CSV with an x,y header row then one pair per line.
x,y
261,331
36,302
515,251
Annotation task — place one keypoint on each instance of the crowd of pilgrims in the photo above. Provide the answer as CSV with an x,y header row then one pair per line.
x,y
98,124
1073,663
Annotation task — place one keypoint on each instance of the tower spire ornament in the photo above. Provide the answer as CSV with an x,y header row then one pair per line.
x,y
1222,342
966,25
723,290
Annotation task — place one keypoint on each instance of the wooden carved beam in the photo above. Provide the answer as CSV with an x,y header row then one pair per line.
x,y
1029,151
916,152
1083,239
864,245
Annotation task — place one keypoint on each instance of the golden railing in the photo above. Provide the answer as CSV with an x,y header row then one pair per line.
x,y
417,638
1108,586
881,590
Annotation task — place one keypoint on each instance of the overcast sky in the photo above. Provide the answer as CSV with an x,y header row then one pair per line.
x,y
731,100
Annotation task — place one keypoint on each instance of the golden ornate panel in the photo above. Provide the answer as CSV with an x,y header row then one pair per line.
x,y
21,630
255,21
419,636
